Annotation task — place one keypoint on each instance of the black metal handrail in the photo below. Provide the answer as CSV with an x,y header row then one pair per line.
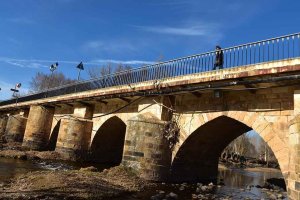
x,y
278,48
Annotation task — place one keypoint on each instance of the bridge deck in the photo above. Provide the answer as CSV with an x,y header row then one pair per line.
x,y
191,82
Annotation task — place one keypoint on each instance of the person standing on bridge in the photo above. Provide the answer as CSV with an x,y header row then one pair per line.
x,y
219,60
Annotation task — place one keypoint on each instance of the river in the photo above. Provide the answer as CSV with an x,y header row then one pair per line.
x,y
235,180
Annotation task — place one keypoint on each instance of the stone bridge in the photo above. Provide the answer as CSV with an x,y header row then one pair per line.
x,y
130,124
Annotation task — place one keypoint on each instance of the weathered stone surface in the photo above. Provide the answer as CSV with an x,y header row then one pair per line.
x,y
3,123
151,161
38,127
74,138
15,128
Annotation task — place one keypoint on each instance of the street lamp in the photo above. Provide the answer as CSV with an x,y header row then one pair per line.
x,y
80,67
53,67
16,90
17,86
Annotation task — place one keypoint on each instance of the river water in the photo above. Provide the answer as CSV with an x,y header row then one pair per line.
x,y
235,180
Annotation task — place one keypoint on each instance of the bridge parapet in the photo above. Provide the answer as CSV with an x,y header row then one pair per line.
x,y
273,49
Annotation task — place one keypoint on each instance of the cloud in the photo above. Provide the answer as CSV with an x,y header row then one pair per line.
x,y
34,64
94,44
126,62
21,20
25,65
198,29
111,46
37,63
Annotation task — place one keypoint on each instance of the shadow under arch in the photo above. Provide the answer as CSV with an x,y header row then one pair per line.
x,y
53,137
108,142
197,158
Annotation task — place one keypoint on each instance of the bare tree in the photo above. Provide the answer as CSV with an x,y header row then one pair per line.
x,y
265,152
241,146
160,58
43,81
121,68
97,72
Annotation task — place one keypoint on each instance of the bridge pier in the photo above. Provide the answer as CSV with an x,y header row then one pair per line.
x,y
146,148
75,133
293,179
3,123
15,128
38,127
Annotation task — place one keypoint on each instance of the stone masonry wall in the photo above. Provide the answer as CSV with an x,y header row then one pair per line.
x,y
267,111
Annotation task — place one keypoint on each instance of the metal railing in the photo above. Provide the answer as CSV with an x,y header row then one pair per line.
x,y
279,48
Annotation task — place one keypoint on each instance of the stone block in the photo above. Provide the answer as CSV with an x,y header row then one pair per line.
x,y
297,102
294,139
85,112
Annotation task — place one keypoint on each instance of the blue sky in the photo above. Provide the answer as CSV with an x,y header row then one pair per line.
x,y
36,33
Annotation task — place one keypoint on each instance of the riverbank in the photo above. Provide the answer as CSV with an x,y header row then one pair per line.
x,y
122,183
261,169
15,150
251,169
86,183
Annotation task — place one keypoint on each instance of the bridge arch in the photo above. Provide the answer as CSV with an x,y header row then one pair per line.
x,y
108,142
202,141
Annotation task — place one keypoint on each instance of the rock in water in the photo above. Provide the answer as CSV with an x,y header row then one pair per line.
x,y
172,196
88,169
280,196
273,197
181,188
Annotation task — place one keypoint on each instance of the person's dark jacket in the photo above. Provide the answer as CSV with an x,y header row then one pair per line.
x,y
219,58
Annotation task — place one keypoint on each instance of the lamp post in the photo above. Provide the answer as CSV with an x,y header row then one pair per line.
x,y
53,67
79,67
16,90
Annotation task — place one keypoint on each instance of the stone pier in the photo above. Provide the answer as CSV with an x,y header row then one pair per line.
x,y
38,127
15,128
75,133
3,123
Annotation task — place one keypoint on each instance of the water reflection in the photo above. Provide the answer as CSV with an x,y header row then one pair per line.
x,y
10,168
238,180
241,178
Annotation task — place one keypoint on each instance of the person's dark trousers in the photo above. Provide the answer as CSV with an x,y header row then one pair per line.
x,y
216,67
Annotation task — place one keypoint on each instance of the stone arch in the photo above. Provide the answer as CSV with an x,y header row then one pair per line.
x,y
239,120
108,142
